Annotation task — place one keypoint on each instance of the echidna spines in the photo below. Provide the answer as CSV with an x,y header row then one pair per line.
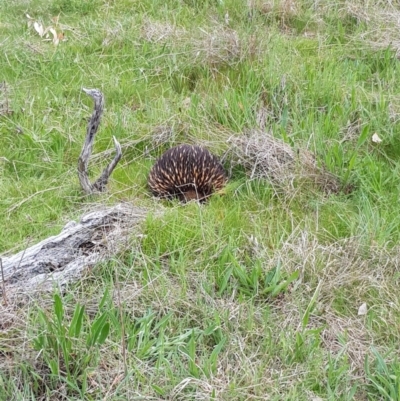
x,y
187,172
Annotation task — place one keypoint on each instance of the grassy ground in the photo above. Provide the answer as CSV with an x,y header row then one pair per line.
x,y
255,295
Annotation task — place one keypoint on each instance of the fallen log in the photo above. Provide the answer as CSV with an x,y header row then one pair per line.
x,y
63,258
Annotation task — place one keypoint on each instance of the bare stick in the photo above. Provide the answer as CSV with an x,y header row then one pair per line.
x,y
101,182
83,161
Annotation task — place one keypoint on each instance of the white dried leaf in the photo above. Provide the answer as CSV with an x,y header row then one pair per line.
x,y
56,40
362,310
227,18
28,16
376,139
38,28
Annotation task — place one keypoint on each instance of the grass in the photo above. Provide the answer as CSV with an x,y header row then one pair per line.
x,y
254,295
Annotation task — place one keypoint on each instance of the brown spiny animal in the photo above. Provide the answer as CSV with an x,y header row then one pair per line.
x,y
187,172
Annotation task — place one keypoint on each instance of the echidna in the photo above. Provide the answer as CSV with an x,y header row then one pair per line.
x,y
187,172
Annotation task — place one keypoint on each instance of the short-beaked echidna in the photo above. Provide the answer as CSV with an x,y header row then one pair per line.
x,y
187,172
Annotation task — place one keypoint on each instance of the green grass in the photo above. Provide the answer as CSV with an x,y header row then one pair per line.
x,y
255,294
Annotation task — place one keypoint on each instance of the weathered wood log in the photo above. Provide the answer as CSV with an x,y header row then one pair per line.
x,y
83,161
63,258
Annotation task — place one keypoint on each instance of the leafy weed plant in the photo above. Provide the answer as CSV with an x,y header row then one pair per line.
x,y
69,348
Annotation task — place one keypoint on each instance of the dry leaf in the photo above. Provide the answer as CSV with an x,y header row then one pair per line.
x,y
227,18
39,28
30,20
376,139
53,32
362,310
55,36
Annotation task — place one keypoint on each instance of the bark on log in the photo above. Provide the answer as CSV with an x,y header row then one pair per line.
x,y
63,258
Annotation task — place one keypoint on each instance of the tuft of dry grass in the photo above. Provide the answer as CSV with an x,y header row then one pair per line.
x,y
5,91
160,32
352,329
352,130
213,46
282,9
219,46
161,135
266,157
382,20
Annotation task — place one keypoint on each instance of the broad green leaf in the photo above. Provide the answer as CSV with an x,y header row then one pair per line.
x,y
104,298
222,284
76,322
58,308
310,307
96,328
103,333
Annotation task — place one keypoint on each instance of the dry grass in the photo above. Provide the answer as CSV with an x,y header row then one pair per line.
x,y
266,157
215,46
282,9
344,267
160,32
351,132
382,20
243,358
162,135
220,46
348,267
5,92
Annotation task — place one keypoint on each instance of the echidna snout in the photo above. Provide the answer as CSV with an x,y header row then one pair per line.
x,y
187,172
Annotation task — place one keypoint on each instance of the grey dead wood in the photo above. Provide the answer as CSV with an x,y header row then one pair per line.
x,y
83,162
99,236
63,258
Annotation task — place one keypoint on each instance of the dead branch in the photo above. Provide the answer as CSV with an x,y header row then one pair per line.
x,y
62,258
83,161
